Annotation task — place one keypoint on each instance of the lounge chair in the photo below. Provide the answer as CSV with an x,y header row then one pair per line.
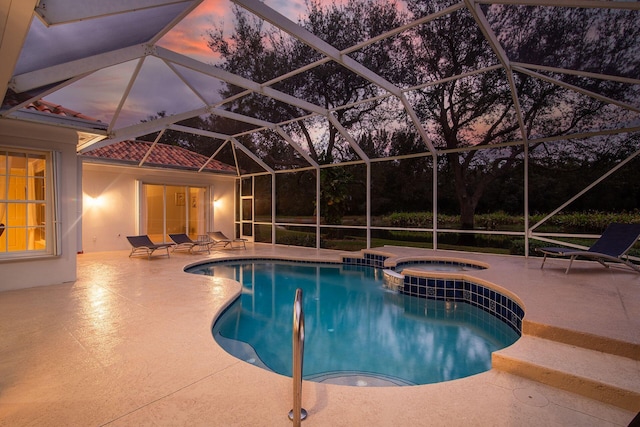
x,y
218,238
184,242
612,246
143,244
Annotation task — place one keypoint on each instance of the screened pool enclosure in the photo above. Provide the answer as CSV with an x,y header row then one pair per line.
x,y
355,123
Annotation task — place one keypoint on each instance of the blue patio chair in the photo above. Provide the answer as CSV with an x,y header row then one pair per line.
x,y
143,244
184,242
612,246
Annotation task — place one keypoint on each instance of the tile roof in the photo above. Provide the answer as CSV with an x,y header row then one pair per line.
x,y
132,151
48,107
12,99
162,155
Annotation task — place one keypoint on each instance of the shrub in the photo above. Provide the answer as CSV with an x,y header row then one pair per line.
x,y
586,221
409,219
295,238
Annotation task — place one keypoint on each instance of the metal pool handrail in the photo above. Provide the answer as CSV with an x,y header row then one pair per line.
x,y
298,413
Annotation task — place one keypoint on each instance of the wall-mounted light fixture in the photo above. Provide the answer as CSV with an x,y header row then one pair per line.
x,y
93,202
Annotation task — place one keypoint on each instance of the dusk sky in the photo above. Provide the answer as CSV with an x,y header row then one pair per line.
x,y
189,37
157,87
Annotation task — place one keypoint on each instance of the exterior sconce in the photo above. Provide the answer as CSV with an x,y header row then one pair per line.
x,y
94,202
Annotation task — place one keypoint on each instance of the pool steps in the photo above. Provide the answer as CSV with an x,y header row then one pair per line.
x,y
594,374
358,379
589,366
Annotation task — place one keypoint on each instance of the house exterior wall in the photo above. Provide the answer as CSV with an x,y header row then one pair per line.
x,y
87,228
110,201
47,270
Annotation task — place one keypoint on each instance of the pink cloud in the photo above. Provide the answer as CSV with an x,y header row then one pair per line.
x,y
189,36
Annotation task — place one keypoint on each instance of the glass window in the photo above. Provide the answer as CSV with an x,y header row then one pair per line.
x,y
26,204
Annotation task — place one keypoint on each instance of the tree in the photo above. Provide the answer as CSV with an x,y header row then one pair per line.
x,y
261,54
479,111
475,111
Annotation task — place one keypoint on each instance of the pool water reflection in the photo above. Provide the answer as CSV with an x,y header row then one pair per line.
x,y
353,325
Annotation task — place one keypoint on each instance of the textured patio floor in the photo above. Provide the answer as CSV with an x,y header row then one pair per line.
x,y
129,343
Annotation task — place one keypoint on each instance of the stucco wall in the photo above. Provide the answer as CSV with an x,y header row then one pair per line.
x,y
51,269
94,228
106,224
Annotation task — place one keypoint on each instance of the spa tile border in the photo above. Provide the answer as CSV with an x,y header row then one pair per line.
x,y
447,289
463,290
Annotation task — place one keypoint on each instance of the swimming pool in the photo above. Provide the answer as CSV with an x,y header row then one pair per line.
x,y
357,331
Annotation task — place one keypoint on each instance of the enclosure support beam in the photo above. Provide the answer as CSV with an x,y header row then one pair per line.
x,y
368,205
318,208
273,211
435,201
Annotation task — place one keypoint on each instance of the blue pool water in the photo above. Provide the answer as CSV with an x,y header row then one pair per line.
x,y
354,326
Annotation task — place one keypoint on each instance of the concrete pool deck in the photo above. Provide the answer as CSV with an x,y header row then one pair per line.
x,y
129,343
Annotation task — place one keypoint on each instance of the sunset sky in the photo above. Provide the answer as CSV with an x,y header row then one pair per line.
x,y
160,86
157,88
189,36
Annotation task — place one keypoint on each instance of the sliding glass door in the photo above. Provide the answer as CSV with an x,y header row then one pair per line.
x,y
170,209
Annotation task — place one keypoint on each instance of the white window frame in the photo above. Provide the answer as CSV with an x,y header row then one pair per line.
x,y
51,206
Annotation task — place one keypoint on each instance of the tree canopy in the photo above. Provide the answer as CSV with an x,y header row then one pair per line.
x,y
464,90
